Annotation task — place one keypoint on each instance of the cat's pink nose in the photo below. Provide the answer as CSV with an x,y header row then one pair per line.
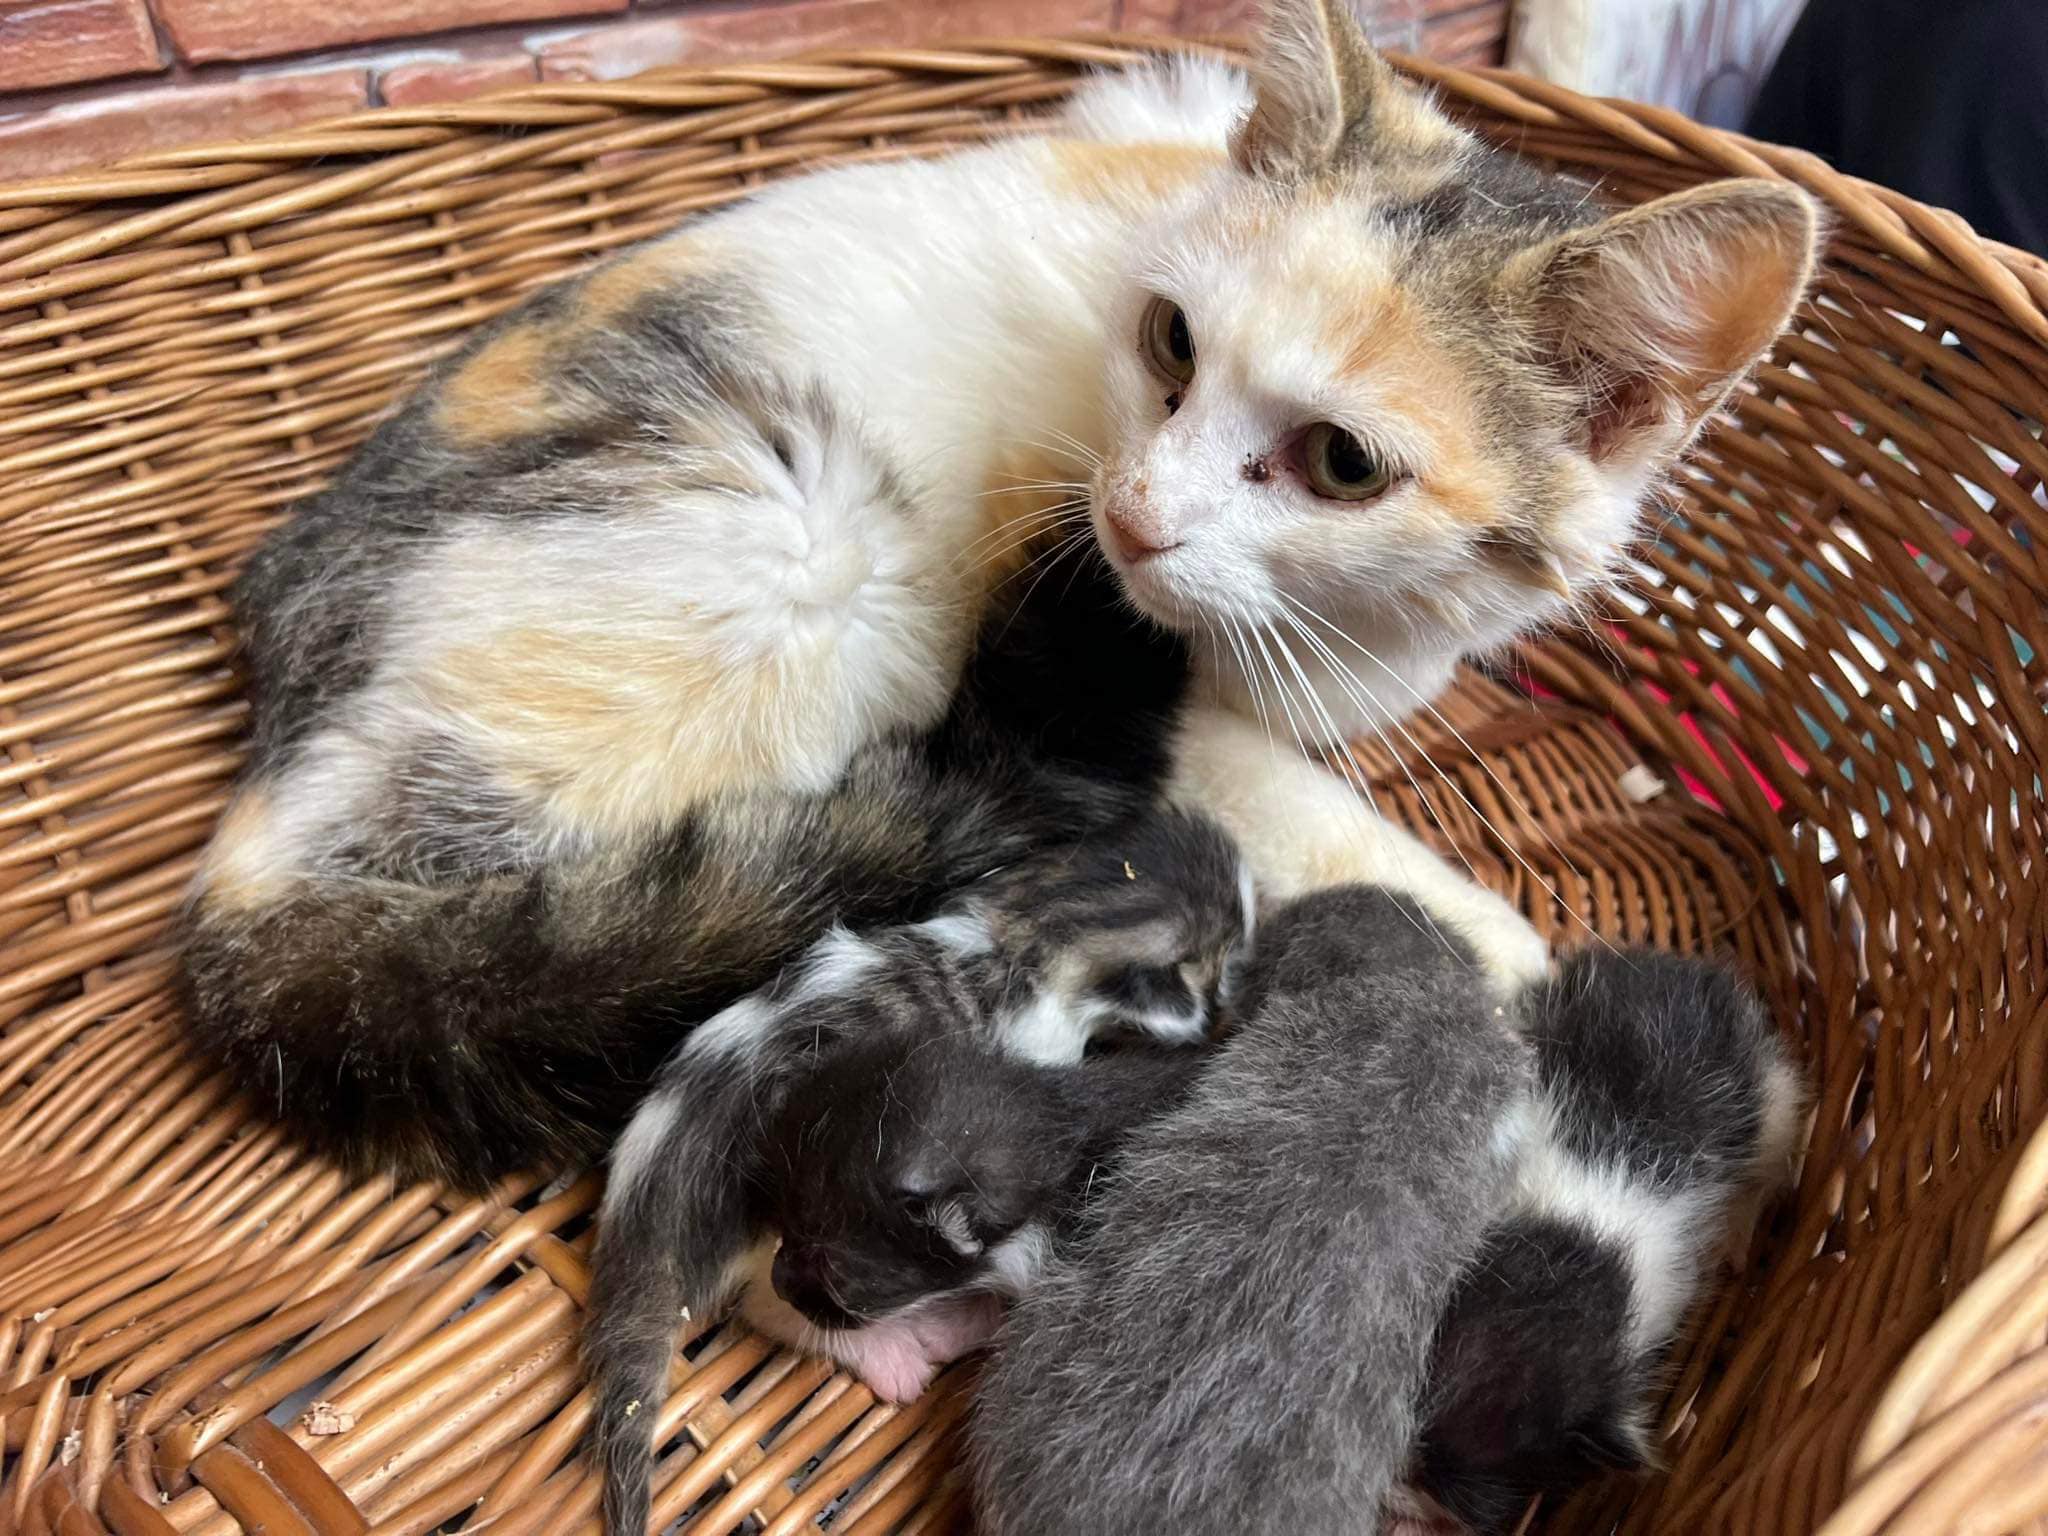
x,y
1136,540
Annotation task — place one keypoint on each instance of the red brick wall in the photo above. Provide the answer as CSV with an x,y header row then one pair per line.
x,y
86,82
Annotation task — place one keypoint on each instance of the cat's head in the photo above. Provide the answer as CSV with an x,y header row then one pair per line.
x,y
1383,380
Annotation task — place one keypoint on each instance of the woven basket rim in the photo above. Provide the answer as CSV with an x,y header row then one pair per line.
x,y
1932,239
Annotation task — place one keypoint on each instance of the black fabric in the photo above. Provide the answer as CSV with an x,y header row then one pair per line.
x,y
1944,100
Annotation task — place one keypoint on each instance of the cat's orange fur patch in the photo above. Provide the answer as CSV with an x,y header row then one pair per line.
x,y
620,284
612,731
1740,299
1384,327
501,392
1128,174
1461,491
1414,376
235,876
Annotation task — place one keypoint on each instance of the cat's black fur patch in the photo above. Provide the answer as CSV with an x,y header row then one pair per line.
x,y
885,1129
1662,1058
1531,1374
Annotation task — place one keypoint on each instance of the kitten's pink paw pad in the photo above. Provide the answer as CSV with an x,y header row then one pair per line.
x,y
890,1360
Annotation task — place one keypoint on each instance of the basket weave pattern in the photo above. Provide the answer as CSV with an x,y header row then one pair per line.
x,y
1834,670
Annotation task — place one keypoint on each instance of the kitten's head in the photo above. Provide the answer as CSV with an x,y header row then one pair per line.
x,y
905,1160
1143,928
1383,378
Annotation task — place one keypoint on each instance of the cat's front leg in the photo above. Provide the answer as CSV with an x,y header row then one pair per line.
x,y
1302,828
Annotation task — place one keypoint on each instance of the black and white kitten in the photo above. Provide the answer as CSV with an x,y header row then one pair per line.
x,y
1666,1111
904,1113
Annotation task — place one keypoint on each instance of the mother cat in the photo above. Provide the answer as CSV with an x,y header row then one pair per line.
x,y
581,697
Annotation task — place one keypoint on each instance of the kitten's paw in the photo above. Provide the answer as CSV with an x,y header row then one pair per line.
x,y
957,1326
890,1361
897,1358
900,1381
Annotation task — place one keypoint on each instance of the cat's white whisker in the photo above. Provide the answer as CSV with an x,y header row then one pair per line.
x,y
1015,487
1353,774
1362,699
1350,773
1067,446
980,555
1394,720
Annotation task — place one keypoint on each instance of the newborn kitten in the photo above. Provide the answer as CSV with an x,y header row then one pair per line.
x,y
1665,1111
1138,928
913,1180
1238,1342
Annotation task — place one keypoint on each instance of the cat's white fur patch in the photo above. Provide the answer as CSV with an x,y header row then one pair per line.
x,y
1665,1238
639,1149
1015,1263
962,934
1052,1029
1195,101
833,966
738,1030
1302,828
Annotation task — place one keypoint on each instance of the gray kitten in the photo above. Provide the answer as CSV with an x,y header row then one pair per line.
x,y
1241,1343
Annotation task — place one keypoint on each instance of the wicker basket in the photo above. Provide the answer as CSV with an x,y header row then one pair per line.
x,y
1817,742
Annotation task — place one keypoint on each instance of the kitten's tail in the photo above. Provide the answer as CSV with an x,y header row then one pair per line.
x,y
469,1030
673,1234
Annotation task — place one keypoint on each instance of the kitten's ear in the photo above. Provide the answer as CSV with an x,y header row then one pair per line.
x,y
1655,314
952,1217
1316,78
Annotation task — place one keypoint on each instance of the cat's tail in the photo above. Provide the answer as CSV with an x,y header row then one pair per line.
x,y
468,1030
672,1241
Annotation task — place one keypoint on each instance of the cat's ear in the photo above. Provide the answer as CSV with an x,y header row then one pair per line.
x,y
1655,314
1316,80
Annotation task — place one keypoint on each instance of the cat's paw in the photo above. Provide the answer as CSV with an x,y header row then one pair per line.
x,y
957,1326
897,1358
1513,954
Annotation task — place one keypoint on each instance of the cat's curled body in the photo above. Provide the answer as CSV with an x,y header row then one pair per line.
x,y
608,674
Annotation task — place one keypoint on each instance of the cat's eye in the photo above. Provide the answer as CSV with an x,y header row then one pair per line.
x,y
1337,465
1169,344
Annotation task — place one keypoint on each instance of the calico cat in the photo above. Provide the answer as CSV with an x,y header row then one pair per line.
x,y
604,678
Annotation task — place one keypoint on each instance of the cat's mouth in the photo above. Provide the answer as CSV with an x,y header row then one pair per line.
x,y
1148,571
